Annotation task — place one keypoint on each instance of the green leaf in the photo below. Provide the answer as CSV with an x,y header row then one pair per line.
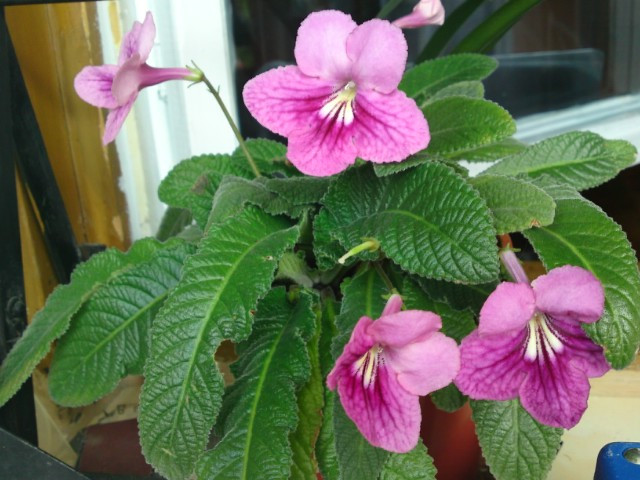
x,y
326,249
449,398
491,152
365,294
516,204
413,465
580,159
428,220
426,79
293,267
220,285
270,156
193,182
54,318
174,221
468,88
515,446
493,28
584,236
300,190
457,295
259,410
385,169
310,407
109,336
461,124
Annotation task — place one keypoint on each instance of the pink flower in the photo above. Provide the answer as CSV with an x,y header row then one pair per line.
x,y
426,12
342,100
116,86
530,344
385,366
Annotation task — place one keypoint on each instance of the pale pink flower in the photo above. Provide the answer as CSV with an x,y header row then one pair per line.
x,y
426,12
530,344
387,364
116,87
342,100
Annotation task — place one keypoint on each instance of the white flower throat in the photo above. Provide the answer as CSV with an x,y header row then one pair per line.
x,y
340,105
542,338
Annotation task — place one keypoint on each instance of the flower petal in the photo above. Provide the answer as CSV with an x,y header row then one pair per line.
x,y
286,100
324,150
394,305
426,12
359,343
126,82
115,119
555,393
585,354
388,128
93,85
509,307
425,366
138,40
385,413
492,367
379,54
403,328
570,292
320,49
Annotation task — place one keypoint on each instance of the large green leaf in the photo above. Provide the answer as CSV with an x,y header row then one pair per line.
x,y
461,124
469,88
259,410
491,152
449,398
515,446
270,156
363,295
193,182
428,220
384,169
457,295
213,301
516,204
426,79
580,159
54,318
109,336
300,190
413,465
583,235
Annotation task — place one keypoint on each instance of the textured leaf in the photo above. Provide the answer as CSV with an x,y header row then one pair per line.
x,y
54,318
363,295
213,301
580,159
270,156
192,183
457,295
293,267
300,190
326,249
449,398
260,407
491,152
426,79
584,236
109,336
462,124
469,88
516,204
413,465
174,221
515,446
384,169
427,220
310,406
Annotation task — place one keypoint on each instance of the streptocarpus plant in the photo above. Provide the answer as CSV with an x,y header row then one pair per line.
x,y
308,276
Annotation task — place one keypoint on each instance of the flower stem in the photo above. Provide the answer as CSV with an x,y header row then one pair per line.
x,y
232,124
513,266
385,278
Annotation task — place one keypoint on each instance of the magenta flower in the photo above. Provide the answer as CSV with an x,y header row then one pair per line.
x,y
530,344
342,100
116,86
385,366
426,12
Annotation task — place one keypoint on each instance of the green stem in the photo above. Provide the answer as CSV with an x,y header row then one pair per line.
x,y
385,278
388,8
232,124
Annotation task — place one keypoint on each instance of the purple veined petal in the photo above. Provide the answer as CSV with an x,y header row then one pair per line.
x,y
492,366
585,354
359,343
570,292
509,307
286,100
93,85
555,393
402,328
425,366
126,82
388,127
138,40
379,54
321,49
115,119
385,413
393,305
426,12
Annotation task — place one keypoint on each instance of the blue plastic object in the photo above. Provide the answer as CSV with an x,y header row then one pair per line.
x,y
618,461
